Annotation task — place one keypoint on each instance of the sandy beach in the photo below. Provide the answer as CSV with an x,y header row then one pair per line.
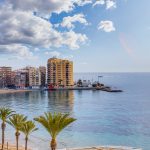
x,y
12,147
7,91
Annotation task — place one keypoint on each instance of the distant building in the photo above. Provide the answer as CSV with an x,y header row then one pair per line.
x,y
34,76
59,72
5,77
43,75
86,83
20,78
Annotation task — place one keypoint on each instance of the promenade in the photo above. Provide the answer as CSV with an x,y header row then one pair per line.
x,y
7,91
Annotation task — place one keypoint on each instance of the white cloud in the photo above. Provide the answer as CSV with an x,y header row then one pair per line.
x,y
47,6
53,53
109,3
68,21
99,2
17,50
73,40
106,26
83,2
24,29
40,6
23,32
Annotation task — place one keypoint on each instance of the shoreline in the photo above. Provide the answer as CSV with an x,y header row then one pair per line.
x,y
106,148
13,147
9,91
106,89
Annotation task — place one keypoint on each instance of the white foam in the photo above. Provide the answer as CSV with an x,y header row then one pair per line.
x,y
97,147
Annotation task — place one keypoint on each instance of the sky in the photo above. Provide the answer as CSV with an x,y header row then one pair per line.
x,y
97,35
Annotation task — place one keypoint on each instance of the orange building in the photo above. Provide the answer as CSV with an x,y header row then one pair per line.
x,y
59,72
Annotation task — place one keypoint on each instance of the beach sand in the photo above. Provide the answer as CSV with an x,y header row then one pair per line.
x,y
7,91
12,147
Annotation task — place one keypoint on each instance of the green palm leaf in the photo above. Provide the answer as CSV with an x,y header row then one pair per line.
x,y
28,127
5,113
54,124
17,120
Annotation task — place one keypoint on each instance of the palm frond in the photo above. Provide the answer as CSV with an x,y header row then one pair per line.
x,y
55,123
17,120
28,127
6,113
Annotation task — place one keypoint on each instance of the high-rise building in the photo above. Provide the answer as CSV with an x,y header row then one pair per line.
x,y
59,72
5,76
20,78
34,76
43,75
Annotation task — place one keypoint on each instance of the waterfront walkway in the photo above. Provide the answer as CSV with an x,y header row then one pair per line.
x,y
6,91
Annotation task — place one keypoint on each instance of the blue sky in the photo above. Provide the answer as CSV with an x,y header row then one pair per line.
x,y
121,44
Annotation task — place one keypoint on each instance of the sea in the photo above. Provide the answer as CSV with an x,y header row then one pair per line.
x,y
119,119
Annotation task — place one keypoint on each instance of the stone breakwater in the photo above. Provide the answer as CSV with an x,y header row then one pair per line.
x,y
104,88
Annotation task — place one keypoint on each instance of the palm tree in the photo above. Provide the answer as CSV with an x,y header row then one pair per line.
x,y
54,124
27,128
16,121
5,113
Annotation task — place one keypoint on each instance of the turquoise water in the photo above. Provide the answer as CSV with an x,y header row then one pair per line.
x,y
102,118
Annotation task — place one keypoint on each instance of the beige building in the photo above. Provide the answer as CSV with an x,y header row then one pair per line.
x,y
34,76
59,72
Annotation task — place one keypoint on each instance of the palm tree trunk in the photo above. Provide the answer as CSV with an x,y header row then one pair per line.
x,y
26,142
3,134
53,144
17,139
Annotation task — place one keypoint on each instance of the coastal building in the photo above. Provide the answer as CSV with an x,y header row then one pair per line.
x,y
83,83
43,75
34,77
20,78
86,83
59,72
5,76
